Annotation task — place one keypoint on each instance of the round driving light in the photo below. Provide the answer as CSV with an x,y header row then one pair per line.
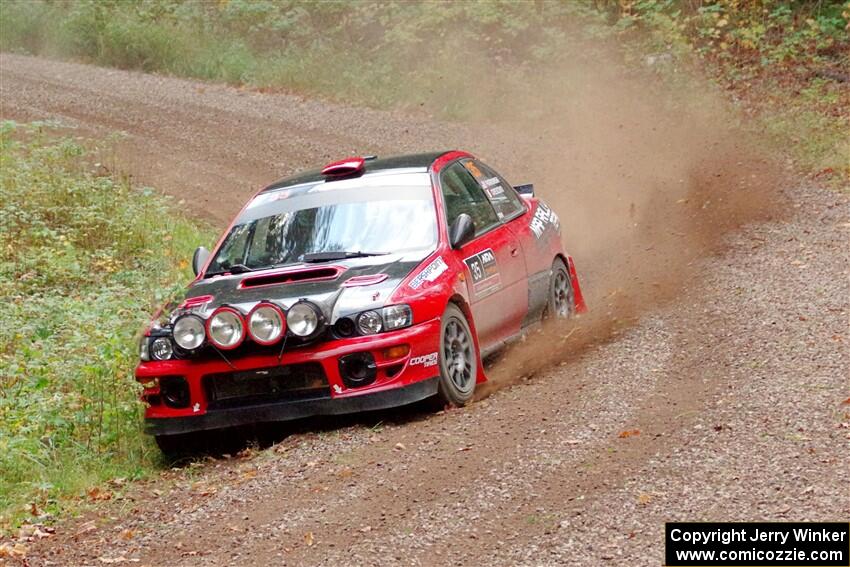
x,y
369,323
161,349
189,332
265,324
226,328
302,319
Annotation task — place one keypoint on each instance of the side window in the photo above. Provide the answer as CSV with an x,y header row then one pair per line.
x,y
462,194
503,197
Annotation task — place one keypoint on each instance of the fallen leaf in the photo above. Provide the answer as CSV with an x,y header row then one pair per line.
x,y
632,433
26,530
127,534
17,551
96,493
644,499
86,528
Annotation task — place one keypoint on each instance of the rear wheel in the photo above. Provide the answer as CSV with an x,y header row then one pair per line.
x,y
458,360
561,304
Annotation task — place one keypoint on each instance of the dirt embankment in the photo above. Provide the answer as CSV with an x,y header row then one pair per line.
x,y
720,346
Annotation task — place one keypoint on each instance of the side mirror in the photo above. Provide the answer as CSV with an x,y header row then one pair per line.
x,y
461,231
199,258
526,190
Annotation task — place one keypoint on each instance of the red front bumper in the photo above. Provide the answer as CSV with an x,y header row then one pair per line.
x,y
399,380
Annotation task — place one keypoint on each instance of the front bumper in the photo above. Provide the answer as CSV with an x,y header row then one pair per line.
x,y
289,410
400,380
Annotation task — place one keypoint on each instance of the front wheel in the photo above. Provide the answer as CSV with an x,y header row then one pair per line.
x,y
199,443
458,359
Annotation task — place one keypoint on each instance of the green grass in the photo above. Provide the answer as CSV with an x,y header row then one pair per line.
x,y
84,258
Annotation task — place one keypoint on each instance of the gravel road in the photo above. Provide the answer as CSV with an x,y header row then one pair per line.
x,y
735,386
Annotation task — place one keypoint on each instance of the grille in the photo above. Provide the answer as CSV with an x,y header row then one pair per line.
x,y
265,385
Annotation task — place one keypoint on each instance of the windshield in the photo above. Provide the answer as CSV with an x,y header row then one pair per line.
x,y
313,223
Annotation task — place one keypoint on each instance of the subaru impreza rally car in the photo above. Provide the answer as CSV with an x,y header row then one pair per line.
x,y
368,284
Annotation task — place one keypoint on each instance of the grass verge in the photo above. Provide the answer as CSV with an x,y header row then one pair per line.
x,y
84,257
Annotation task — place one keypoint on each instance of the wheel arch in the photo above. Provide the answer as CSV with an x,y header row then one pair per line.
x,y
578,297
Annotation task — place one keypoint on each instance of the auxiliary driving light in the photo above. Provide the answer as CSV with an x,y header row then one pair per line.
x,y
266,323
226,328
189,332
303,319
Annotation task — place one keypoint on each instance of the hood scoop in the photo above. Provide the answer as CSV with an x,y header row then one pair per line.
x,y
298,275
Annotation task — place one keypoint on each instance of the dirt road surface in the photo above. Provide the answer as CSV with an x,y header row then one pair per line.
x,y
734,391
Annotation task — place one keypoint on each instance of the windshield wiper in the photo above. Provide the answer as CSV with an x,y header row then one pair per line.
x,y
337,255
234,269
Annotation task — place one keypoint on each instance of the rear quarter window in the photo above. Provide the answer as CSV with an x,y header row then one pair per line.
x,y
507,203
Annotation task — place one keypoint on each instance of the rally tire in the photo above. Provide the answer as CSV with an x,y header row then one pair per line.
x,y
176,446
458,359
561,302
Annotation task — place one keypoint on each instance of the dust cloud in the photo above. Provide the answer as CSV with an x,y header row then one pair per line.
x,y
648,175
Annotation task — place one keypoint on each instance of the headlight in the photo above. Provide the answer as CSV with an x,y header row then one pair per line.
x,y
265,325
189,332
397,316
369,323
143,349
226,328
161,348
302,319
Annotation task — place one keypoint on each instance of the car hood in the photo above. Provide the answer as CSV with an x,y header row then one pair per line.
x,y
339,288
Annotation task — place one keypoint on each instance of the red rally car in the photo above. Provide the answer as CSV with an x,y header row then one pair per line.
x,y
369,284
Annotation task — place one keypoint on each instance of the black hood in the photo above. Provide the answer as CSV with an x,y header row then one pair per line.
x,y
339,288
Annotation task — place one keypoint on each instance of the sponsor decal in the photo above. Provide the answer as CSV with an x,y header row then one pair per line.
x,y
543,217
487,183
485,272
430,273
425,360
496,193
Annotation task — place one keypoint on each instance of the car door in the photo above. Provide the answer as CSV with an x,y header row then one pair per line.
x,y
529,221
495,269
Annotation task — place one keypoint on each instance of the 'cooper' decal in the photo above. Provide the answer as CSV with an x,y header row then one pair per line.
x,y
544,216
425,360
430,273
485,272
